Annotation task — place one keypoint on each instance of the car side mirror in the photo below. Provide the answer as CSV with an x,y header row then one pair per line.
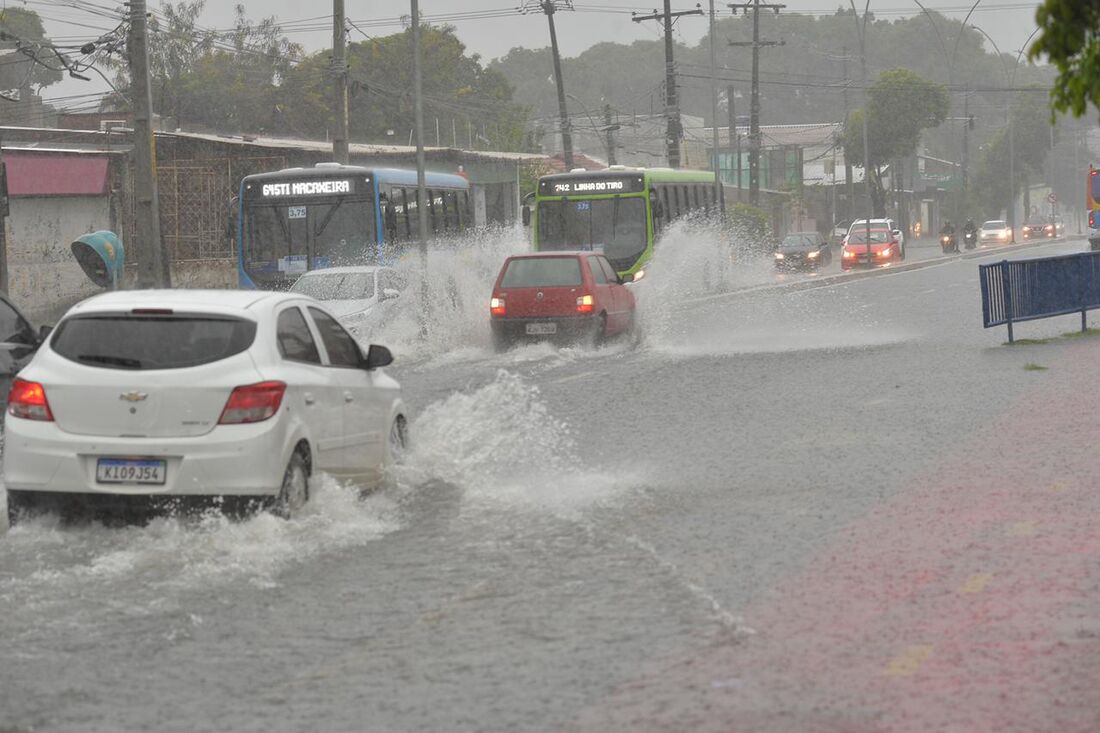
x,y
897,233
390,294
44,333
525,213
377,356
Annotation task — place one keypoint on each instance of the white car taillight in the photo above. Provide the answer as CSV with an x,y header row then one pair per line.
x,y
28,401
253,403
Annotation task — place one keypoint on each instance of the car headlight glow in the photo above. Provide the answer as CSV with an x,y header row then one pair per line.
x,y
780,256
812,255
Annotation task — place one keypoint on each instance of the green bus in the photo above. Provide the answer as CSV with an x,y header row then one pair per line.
x,y
619,211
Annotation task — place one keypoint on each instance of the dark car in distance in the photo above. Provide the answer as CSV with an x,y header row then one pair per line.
x,y
570,296
803,250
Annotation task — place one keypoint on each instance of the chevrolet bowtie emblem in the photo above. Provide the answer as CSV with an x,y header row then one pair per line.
x,y
133,396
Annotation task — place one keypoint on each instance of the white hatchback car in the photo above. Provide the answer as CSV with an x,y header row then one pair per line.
x,y
141,399
362,297
995,231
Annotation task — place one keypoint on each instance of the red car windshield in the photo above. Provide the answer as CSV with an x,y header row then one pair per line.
x,y
542,272
878,236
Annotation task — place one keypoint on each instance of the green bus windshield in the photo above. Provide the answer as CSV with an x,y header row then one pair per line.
x,y
615,226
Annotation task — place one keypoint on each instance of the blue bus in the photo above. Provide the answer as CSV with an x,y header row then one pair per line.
x,y
300,219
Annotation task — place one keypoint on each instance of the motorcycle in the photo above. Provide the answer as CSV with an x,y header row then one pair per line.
x,y
949,243
970,240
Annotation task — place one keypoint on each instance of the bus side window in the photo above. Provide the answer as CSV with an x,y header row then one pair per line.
x,y
676,197
389,215
467,215
450,210
666,203
412,214
433,212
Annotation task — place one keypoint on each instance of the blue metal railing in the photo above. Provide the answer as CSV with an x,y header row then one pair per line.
x,y
1025,290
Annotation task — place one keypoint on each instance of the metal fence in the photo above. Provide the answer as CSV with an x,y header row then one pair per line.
x,y
196,205
1026,290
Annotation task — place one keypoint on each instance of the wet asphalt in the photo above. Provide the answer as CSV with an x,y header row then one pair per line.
x,y
738,525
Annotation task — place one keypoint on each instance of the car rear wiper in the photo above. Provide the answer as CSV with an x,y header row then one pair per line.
x,y
120,361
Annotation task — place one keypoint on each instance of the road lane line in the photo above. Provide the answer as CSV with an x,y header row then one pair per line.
x,y
572,378
976,583
909,661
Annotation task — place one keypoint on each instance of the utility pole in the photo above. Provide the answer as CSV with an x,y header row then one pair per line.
x,y
672,102
734,138
340,77
849,182
609,128
754,124
153,266
968,123
714,109
550,7
421,185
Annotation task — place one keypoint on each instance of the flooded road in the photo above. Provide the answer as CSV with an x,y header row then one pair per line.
x,y
602,540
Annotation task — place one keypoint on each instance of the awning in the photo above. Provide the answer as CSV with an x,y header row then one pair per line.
x,y
56,174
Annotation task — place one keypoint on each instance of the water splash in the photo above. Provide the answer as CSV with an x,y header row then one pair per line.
x,y
501,443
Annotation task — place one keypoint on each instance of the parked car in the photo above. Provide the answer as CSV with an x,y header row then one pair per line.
x,y
803,249
143,400
883,249
861,224
1038,228
561,296
18,342
361,297
995,231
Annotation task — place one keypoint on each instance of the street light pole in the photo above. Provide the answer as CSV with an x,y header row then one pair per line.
x,y
1012,140
421,185
861,32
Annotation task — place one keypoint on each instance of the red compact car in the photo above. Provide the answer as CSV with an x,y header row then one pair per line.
x,y
884,249
575,296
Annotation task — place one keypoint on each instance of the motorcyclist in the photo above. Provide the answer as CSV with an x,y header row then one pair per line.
x,y
970,233
947,235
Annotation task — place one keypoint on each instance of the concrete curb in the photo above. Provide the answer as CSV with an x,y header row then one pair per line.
x,y
845,277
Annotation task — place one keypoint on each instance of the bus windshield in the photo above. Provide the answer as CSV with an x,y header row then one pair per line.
x,y
615,226
289,237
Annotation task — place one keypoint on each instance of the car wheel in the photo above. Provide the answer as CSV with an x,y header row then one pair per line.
x,y
500,342
599,332
396,446
294,492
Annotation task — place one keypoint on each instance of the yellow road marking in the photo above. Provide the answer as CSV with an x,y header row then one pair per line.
x,y
976,583
1058,488
1021,529
909,661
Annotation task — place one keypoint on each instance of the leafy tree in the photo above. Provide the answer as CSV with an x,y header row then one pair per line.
x,y
222,81
465,98
23,28
989,184
1070,38
901,106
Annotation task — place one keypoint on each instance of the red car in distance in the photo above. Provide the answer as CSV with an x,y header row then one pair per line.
x,y
561,296
884,248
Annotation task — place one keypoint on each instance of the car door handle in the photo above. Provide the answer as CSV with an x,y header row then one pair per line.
x,y
349,397
309,398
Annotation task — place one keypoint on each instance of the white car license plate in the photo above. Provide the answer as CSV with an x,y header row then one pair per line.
x,y
130,471
541,329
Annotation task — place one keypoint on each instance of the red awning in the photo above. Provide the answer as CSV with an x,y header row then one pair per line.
x,y
55,174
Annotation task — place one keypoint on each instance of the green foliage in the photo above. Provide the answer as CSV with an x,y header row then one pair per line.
x,y
1070,39
989,181
473,105
901,106
19,71
750,224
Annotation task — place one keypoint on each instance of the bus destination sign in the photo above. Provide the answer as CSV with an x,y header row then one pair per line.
x,y
307,188
583,186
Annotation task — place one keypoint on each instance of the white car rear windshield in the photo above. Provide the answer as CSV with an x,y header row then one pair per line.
x,y
542,272
151,341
